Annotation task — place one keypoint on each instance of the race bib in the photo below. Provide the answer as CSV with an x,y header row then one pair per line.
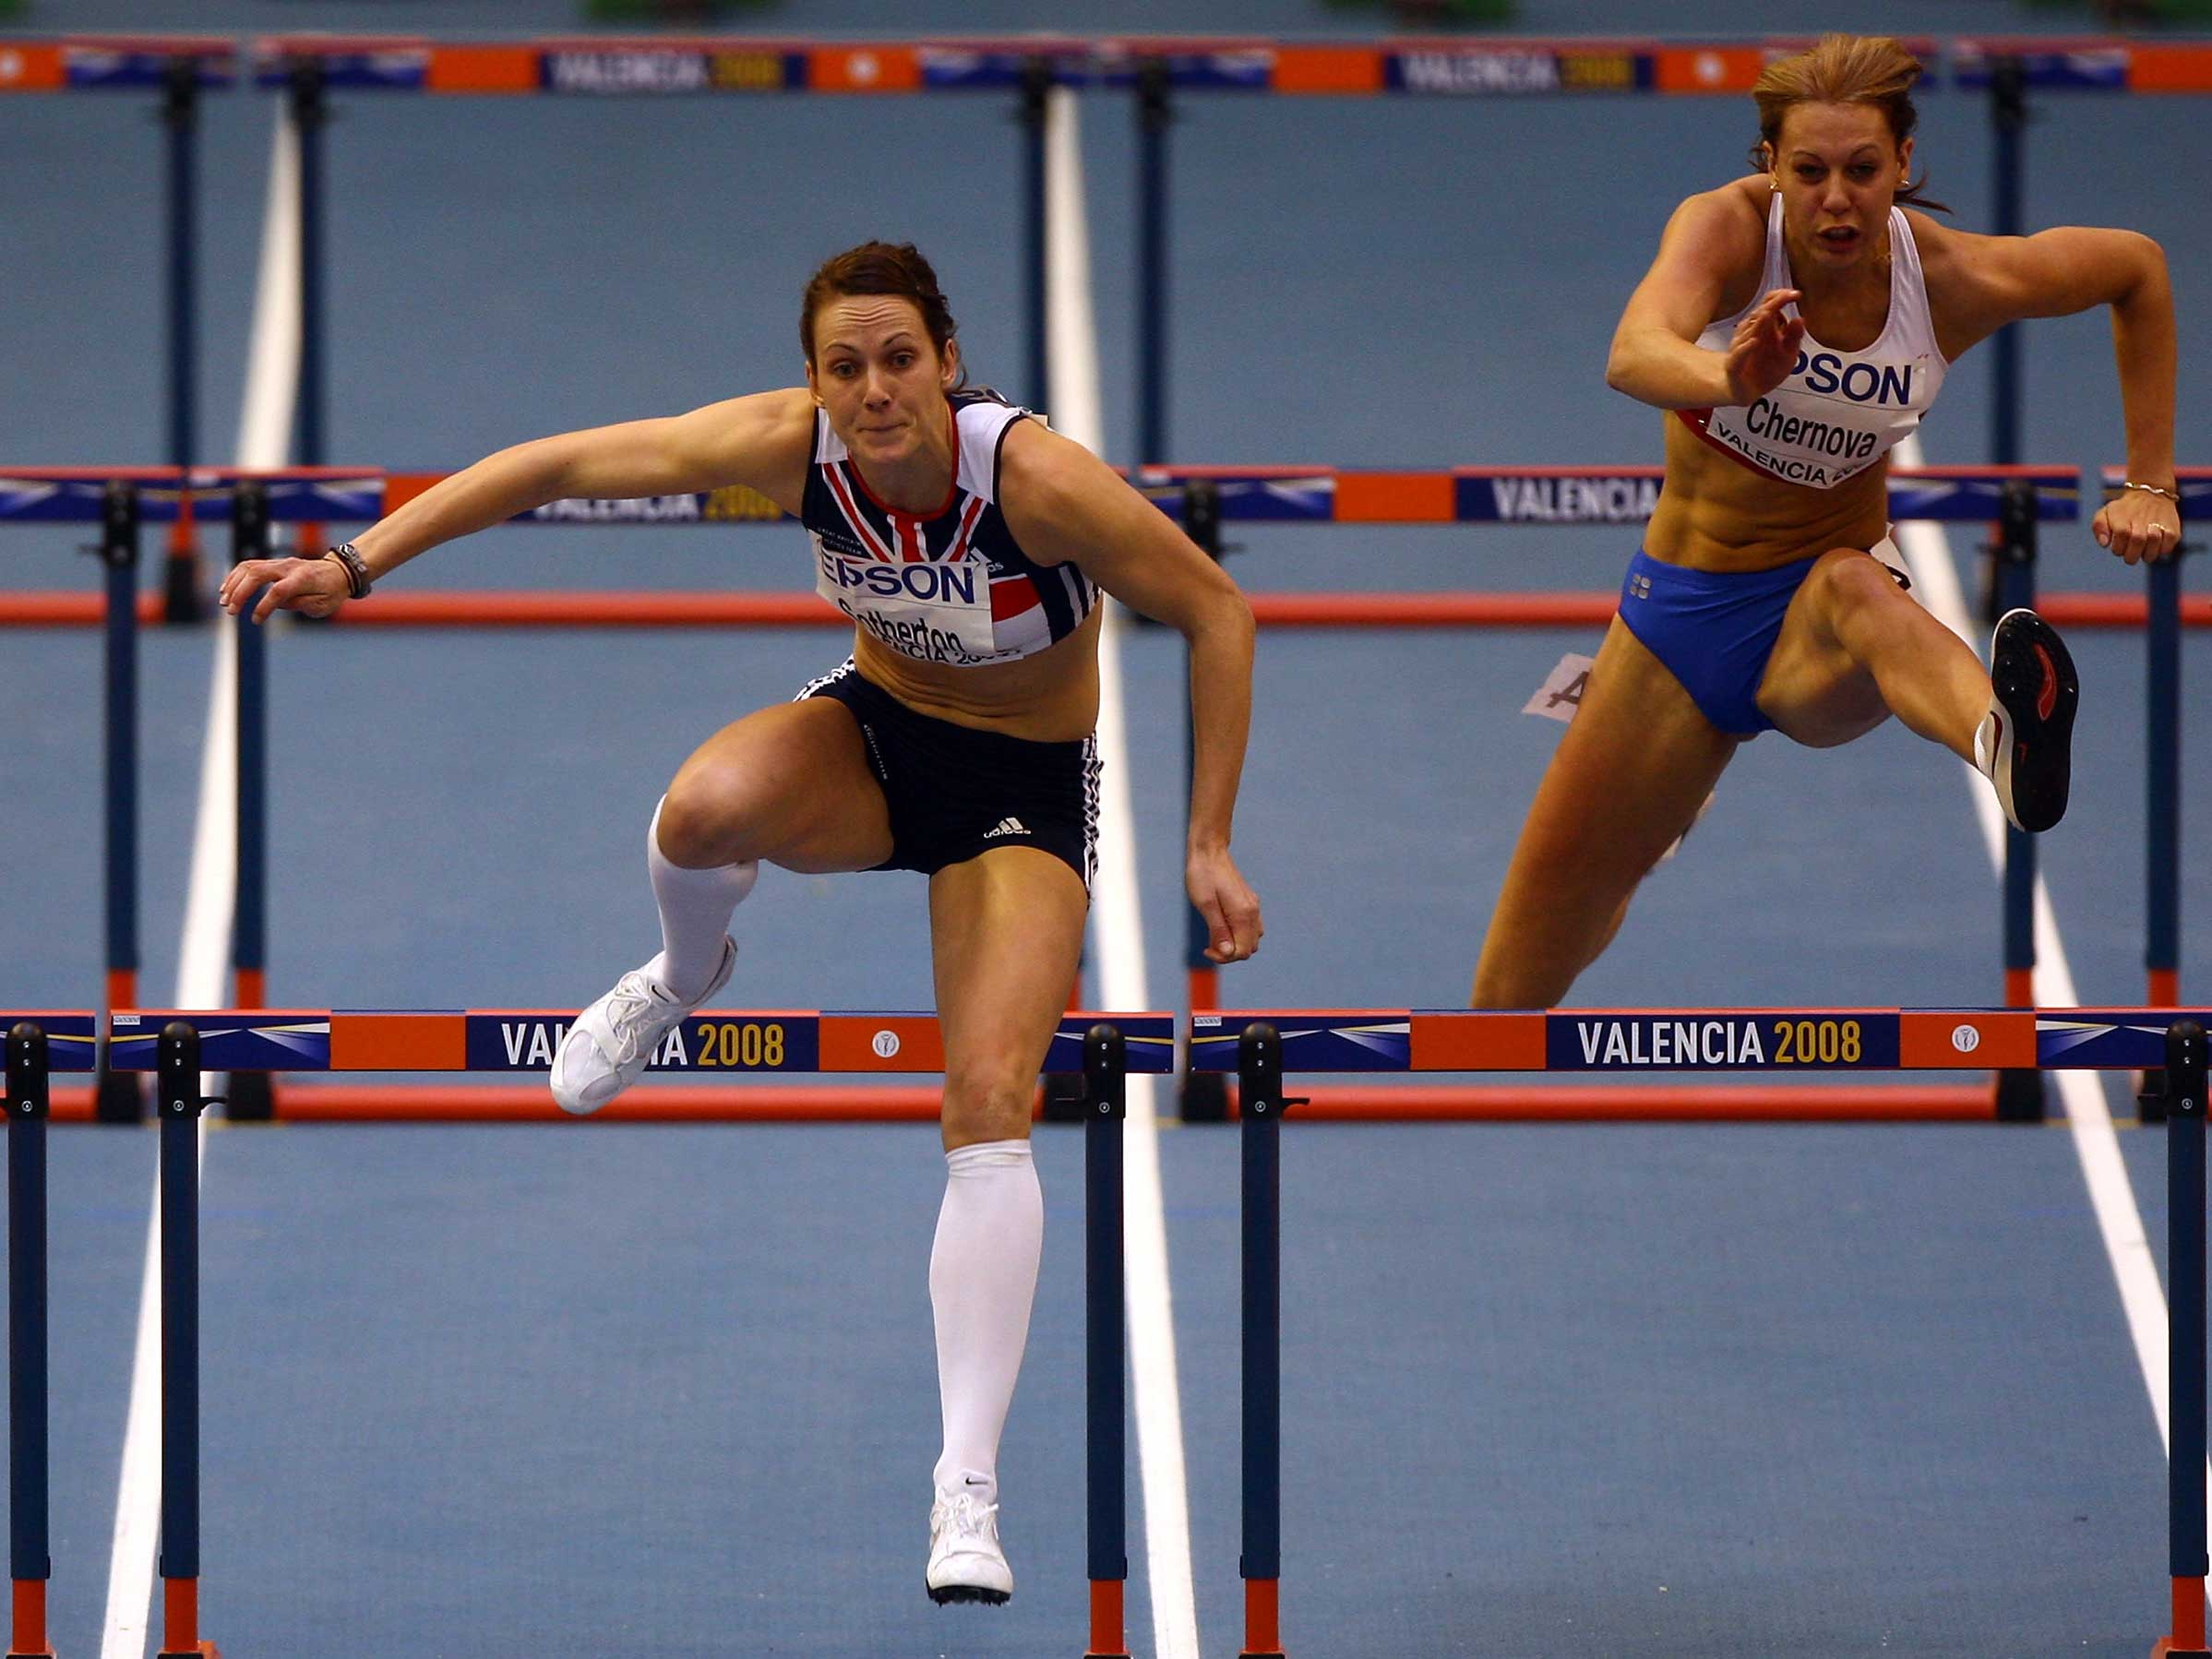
x,y
932,612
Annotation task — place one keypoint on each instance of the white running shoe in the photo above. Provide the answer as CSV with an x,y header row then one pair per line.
x,y
614,1040
965,1562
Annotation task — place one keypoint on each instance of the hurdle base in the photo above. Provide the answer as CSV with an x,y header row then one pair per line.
x,y
205,1649
27,1622
2166,1650
1262,1619
1108,1638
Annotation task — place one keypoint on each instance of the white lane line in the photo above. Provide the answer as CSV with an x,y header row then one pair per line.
x,y
2088,1117
265,425
1118,933
131,1558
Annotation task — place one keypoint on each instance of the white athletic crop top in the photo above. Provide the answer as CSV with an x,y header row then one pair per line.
x,y
950,587
1839,411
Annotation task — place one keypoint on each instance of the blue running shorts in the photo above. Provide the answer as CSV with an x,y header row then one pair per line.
x,y
1714,630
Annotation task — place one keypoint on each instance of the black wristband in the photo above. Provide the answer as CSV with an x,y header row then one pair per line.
x,y
357,576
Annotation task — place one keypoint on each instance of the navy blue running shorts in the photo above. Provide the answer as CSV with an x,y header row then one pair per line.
x,y
955,792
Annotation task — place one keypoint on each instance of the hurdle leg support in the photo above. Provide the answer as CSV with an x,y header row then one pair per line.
x,y
1259,1094
180,1622
1105,1404
30,1565
30,1621
178,1078
2185,1338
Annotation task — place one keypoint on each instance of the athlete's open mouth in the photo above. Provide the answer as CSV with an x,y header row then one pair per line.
x,y
1840,236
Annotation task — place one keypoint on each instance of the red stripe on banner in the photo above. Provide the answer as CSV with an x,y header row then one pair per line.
x,y
880,1043
1484,1042
400,488
2170,68
481,69
1709,68
399,1043
31,69
1930,1041
1328,69
1395,498
864,69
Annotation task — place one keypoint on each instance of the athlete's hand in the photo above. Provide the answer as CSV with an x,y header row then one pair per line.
x,y
311,587
2137,525
1764,348
1230,909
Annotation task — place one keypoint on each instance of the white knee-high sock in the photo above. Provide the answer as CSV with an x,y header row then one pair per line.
x,y
983,1277
695,913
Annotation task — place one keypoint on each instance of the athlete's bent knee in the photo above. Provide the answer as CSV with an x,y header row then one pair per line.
x,y
708,819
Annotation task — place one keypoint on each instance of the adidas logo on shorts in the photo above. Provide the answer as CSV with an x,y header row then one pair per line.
x,y
1007,826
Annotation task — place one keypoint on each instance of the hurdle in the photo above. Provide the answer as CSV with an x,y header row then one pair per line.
x,y
1201,497
1104,1048
180,68
2014,500
1261,1047
37,1043
2166,613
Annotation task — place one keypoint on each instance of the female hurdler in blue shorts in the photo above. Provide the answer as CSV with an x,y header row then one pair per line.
x,y
970,545
1798,323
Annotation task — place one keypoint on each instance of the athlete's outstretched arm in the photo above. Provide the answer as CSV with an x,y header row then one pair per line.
x,y
762,441
1655,358
1988,281
1064,504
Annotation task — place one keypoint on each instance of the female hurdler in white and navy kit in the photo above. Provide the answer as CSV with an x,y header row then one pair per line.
x,y
1798,323
970,546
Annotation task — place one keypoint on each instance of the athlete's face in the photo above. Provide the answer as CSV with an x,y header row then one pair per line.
x,y
878,376
1838,171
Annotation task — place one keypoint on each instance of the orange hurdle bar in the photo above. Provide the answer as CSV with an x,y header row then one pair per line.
x,y
1568,1102
618,609
1654,1103
401,1103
